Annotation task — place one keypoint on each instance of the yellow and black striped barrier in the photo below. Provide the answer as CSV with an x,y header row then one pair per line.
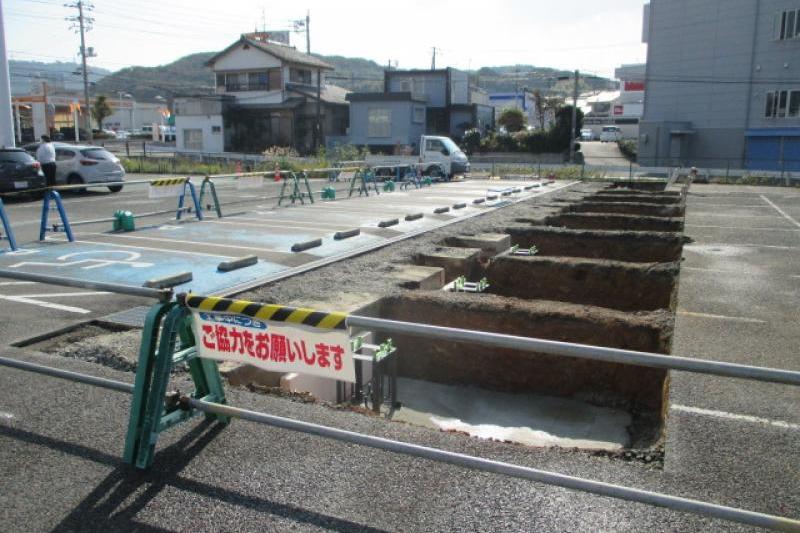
x,y
275,313
168,182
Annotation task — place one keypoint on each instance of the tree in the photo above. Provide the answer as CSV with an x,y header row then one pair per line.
x,y
546,106
100,110
512,119
561,129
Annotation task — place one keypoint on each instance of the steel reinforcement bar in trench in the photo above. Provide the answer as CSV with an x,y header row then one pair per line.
x,y
677,503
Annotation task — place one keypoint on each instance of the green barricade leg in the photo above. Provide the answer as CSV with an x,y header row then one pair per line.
x,y
151,411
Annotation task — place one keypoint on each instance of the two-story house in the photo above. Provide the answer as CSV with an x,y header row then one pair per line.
x,y
266,94
434,102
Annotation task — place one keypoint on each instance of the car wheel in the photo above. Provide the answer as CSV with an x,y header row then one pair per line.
x,y
75,179
434,172
115,188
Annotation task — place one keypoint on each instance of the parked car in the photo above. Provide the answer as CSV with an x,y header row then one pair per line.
x,y
77,164
19,171
587,134
610,134
122,135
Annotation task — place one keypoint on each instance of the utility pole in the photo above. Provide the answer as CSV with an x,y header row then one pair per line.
x,y
433,59
318,125
574,118
84,25
6,115
308,32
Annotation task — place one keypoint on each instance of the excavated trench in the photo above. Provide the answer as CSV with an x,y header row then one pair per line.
x,y
605,272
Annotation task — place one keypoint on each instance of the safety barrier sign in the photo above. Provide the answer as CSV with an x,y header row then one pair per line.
x,y
167,187
273,337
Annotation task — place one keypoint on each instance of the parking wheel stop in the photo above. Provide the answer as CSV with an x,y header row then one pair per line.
x,y
478,200
236,264
303,246
491,197
459,206
415,216
340,235
168,281
389,222
440,210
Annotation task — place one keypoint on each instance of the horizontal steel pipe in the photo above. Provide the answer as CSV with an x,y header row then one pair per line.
x,y
95,381
487,465
163,295
583,351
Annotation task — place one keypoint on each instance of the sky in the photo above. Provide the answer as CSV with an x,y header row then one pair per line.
x,y
592,36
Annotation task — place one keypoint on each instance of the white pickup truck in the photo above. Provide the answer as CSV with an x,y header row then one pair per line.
x,y
439,157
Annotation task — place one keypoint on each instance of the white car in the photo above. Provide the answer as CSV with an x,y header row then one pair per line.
x,y
610,134
76,164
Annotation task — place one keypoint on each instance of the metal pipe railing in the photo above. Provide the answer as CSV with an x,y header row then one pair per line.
x,y
497,467
163,295
95,381
584,351
601,488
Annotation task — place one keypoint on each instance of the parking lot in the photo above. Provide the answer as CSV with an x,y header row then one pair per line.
x,y
253,225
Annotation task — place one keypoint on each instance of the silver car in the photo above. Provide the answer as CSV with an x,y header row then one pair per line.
x,y
77,164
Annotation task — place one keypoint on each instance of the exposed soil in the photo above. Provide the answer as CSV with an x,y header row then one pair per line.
x,y
605,221
632,246
628,208
599,282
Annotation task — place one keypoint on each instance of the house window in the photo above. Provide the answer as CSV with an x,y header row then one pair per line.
x,y
380,122
216,129
257,81
220,80
297,75
419,87
794,104
193,140
405,86
419,114
787,24
782,104
235,82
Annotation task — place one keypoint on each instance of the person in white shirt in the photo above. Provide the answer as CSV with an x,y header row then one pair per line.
x,y
46,156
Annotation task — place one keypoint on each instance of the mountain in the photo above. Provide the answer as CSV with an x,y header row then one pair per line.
x,y
189,75
58,75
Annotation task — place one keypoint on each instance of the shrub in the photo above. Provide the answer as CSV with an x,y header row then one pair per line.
x,y
472,141
512,119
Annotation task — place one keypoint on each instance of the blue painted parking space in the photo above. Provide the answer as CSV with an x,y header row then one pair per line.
x,y
268,238
129,266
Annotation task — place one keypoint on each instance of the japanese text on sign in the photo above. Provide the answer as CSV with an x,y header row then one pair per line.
x,y
274,346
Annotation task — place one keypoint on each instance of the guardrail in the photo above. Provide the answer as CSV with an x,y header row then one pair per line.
x,y
181,407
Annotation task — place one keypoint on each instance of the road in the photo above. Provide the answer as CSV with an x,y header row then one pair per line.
x,y
600,154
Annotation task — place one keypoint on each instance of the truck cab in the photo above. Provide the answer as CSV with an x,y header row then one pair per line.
x,y
443,155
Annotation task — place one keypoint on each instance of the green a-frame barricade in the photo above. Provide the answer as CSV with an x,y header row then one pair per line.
x,y
152,410
297,192
361,182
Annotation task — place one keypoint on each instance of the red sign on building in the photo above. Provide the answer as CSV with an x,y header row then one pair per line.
x,y
619,109
634,86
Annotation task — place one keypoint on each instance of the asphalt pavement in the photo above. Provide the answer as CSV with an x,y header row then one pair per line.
x,y
728,441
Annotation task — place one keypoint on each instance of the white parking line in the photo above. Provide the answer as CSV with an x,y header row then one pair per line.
x,y
114,244
781,211
6,283
49,305
733,416
195,243
721,317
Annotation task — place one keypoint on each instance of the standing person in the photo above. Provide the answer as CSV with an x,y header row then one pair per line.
x,y
46,155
